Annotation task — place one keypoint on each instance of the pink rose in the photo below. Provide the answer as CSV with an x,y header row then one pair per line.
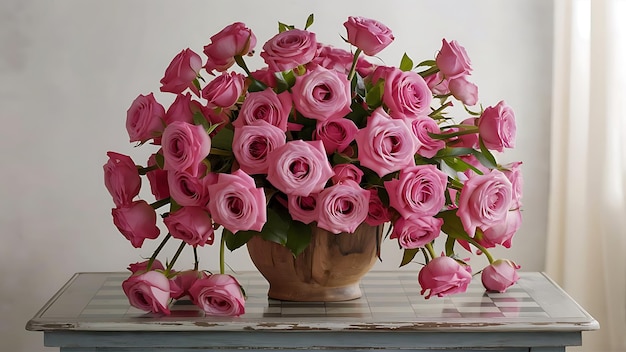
x,y
497,127
181,72
336,134
484,201
183,281
236,203
419,191
406,93
189,190
340,60
180,110
121,178
224,90
322,94
368,35
299,167
342,207
144,118
157,178
192,225
253,143
385,145
303,208
502,233
234,40
464,90
149,292
444,276
513,172
437,84
415,232
347,172
218,294
452,60
184,109
500,275
466,140
265,76
141,267
185,146
136,221
427,146
377,213
289,49
265,105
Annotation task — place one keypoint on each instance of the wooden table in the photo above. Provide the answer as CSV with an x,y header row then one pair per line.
x,y
91,313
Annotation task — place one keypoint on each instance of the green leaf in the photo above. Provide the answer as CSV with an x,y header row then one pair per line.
x,y
370,177
406,64
213,127
223,139
339,158
298,237
199,119
284,80
256,85
374,97
485,157
220,152
442,153
196,84
309,21
284,27
452,225
459,165
241,62
174,206
220,163
429,63
276,229
290,78
408,256
358,115
455,164
234,241
428,72
159,159
450,246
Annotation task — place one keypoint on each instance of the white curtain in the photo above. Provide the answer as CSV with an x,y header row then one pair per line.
x,y
587,214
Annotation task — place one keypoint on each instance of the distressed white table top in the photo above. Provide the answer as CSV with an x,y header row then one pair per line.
x,y
391,302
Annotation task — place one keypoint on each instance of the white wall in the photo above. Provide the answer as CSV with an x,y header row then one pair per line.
x,y
69,70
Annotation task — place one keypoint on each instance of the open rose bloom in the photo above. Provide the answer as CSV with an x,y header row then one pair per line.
x,y
316,137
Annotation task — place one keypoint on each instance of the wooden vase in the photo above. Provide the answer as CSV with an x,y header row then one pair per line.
x,y
329,269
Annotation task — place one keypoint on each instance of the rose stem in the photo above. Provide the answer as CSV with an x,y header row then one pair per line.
x,y
354,61
431,250
156,252
222,245
171,264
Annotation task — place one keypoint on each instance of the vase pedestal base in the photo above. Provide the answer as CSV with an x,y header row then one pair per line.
x,y
300,292
328,270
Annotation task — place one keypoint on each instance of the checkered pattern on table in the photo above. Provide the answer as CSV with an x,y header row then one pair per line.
x,y
385,297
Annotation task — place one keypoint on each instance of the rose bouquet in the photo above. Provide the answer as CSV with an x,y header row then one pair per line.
x,y
320,136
